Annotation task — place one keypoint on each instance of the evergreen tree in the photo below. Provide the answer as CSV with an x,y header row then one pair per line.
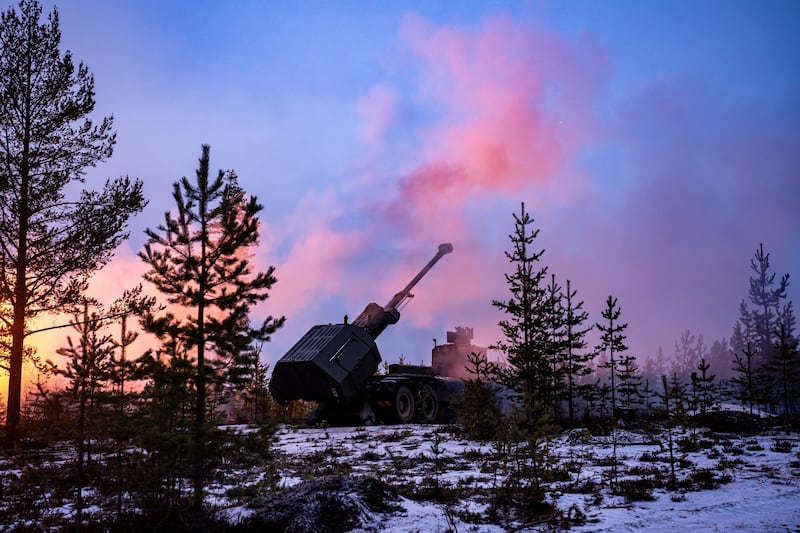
x,y
786,366
163,420
526,338
122,369
257,393
603,399
703,386
477,406
49,242
672,409
630,382
766,298
647,396
199,260
747,378
556,328
87,369
612,340
576,359
757,329
590,397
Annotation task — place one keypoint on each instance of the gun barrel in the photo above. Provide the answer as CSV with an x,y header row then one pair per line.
x,y
444,249
375,318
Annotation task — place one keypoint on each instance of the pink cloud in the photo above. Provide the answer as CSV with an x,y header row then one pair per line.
x,y
512,107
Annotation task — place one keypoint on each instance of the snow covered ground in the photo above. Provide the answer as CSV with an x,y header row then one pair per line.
x,y
429,479
760,474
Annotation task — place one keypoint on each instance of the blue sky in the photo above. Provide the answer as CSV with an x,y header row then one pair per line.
x,y
655,143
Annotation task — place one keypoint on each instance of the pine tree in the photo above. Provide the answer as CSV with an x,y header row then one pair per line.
x,y
603,399
747,378
556,329
477,406
49,242
122,370
163,419
672,408
757,328
786,365
576,360
630,382
87,369
257,394
766,298
647,396
526,338
199,260
703,385
612,340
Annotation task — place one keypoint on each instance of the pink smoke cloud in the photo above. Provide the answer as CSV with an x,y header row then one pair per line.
x,y
514,103
508,108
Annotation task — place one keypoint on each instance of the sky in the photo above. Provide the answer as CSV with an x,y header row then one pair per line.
x,y
655,144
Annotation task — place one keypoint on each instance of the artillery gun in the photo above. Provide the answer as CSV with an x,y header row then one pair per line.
x,y
336,365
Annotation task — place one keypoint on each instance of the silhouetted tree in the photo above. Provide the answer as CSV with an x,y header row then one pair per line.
x,y
756,331
87,369
256,394
555,323
49,243
576,359
612,340
747,378
630,382
703,387
163,421
526,338
786,365
122,369
672,408
199,260
477,406
766,297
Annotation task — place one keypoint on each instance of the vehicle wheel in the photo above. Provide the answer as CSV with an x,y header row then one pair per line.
x,y
428,406
404,404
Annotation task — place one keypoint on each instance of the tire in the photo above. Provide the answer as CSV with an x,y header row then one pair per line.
x,y
404,404
428,406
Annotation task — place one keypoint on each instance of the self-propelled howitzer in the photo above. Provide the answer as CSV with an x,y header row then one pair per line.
x,y
335,364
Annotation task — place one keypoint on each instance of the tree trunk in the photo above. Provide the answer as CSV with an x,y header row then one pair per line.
x,y
20,303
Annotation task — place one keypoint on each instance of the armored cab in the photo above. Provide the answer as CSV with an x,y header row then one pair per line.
x,y
335,363
329,362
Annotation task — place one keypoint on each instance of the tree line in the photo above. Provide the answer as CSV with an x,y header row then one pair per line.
x,y
556,376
